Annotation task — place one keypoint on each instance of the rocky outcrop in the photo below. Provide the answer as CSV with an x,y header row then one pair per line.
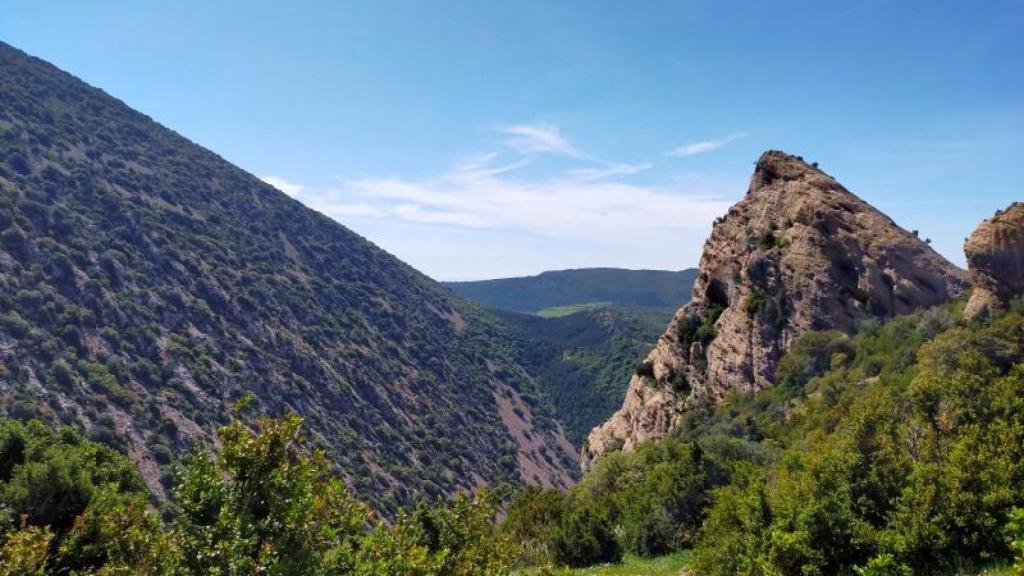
x,y
995,258
798,253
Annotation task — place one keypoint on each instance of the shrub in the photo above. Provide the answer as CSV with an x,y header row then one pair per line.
x,y
767,241
755,302
584,537
533,516
1015,536
645,369
693,328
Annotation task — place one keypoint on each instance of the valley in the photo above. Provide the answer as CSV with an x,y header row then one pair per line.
x,y
205,372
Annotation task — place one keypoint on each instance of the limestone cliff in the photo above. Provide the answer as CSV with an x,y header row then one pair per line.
x,y
798,253
995,258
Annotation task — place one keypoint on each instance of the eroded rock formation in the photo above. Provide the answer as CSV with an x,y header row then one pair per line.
x,y
995,258
798,253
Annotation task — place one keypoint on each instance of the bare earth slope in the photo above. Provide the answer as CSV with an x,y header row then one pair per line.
x,y
798,253
146,284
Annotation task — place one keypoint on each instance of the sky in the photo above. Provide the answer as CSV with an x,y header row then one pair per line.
x,y
489,139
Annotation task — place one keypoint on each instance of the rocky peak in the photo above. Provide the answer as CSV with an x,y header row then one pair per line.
x,y
798,253
995,258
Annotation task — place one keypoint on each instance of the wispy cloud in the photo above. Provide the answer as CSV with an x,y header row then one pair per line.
x,y
538,138
564,206
483,165
289,188
583,198
695,148
610,170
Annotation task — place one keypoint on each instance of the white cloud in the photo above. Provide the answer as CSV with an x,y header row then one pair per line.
x,y
539,138
568,206
481,165
612,170
695,148
289,188
580,203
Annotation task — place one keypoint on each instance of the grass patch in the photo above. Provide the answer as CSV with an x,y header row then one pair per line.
x,y
670,565
998,570
559,311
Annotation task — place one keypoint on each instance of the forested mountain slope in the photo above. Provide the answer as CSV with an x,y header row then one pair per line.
x,y
582,361
146,284
634,288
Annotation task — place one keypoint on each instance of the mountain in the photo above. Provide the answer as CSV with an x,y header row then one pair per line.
x,y
799,253
148,285
995,258
582,361
615,286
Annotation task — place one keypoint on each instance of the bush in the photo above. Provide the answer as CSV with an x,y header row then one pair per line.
x,y
645,369
755,302
584,537
1015,536
265,504
811,355
533,516
693,328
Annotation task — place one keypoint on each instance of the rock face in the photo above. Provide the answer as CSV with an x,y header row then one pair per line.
x,y
995,258
798,253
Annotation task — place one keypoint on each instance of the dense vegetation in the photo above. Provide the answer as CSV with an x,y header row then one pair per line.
x,y
653,289
262,505
899,451
582,361
145,284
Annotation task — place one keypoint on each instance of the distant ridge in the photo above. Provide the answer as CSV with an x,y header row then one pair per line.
x,y
615,286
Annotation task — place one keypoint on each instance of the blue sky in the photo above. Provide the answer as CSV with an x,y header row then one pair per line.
x,y
485,139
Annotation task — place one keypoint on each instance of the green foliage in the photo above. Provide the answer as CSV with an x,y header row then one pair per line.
x,y
50,477
24,552
533,516
647,503
706,332
693,328
264,504
901,453
117,534
584,537
754,303
1014,532
883,565
583,362
810,356
259,508
463,537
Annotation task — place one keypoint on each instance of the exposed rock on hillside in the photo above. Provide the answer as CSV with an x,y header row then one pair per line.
x,y
798,253
995,258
